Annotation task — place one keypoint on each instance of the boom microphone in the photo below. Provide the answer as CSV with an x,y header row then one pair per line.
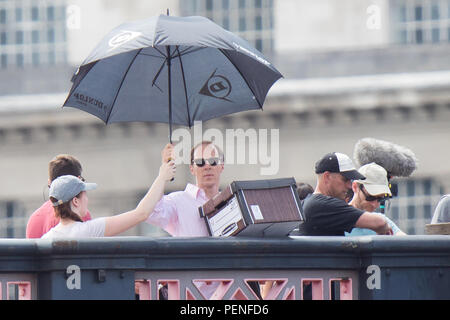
x,y
397,160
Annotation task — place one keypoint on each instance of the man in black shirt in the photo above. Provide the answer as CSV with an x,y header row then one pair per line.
x,y
326,212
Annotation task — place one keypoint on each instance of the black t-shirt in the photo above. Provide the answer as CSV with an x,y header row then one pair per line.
x,y
328,216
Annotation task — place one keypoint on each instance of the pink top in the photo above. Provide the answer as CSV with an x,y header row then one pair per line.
x,y
177,213
43,219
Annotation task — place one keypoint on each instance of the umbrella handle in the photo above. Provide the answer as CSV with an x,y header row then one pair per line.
x,y
173,177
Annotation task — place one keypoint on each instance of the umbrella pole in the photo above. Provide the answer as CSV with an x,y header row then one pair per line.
x,y
170,96
170,91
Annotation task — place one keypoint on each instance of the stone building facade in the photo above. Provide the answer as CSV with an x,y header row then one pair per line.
x,y
345,79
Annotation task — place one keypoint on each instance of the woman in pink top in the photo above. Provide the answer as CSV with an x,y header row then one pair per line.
x,y
43,219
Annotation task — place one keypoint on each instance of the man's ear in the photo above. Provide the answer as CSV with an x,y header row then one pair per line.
x,y
326,176
191,168
354,186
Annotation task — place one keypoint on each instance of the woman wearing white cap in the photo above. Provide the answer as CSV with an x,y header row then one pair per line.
x,y
368,193
70,201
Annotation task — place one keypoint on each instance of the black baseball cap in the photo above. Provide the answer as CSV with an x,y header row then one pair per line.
x,y
339,163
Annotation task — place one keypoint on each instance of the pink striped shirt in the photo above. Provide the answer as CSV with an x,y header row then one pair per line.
x,y
177,213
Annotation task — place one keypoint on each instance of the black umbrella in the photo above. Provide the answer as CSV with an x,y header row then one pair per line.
x,y
174,70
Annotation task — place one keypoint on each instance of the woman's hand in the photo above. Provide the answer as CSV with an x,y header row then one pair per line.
x,y
167,153
167,170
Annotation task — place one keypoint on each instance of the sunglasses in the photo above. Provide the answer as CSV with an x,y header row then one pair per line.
x,y
201,162
369,197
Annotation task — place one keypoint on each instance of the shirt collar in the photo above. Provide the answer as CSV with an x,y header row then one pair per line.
x,y
195,191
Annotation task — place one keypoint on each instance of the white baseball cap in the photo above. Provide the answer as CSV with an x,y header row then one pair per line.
x,y
376,181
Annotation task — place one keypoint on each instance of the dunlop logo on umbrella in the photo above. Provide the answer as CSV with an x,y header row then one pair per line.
x,y
84,100
217,86
122,38
241,48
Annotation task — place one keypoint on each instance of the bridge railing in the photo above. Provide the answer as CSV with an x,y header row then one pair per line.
x,y
371,267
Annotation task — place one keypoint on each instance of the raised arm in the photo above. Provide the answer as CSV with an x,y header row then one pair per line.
x,y
374,222
122,222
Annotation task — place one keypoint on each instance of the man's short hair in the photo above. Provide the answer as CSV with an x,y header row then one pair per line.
x,y
303,189
64,164
206,143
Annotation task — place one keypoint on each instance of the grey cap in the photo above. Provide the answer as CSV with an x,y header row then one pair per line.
x,y
64,188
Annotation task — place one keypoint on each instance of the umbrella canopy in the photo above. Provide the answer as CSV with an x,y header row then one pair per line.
x,y
171,69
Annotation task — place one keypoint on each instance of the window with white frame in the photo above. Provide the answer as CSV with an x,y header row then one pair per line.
x,y
13,221
32,32
252,20
414,204
420,21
